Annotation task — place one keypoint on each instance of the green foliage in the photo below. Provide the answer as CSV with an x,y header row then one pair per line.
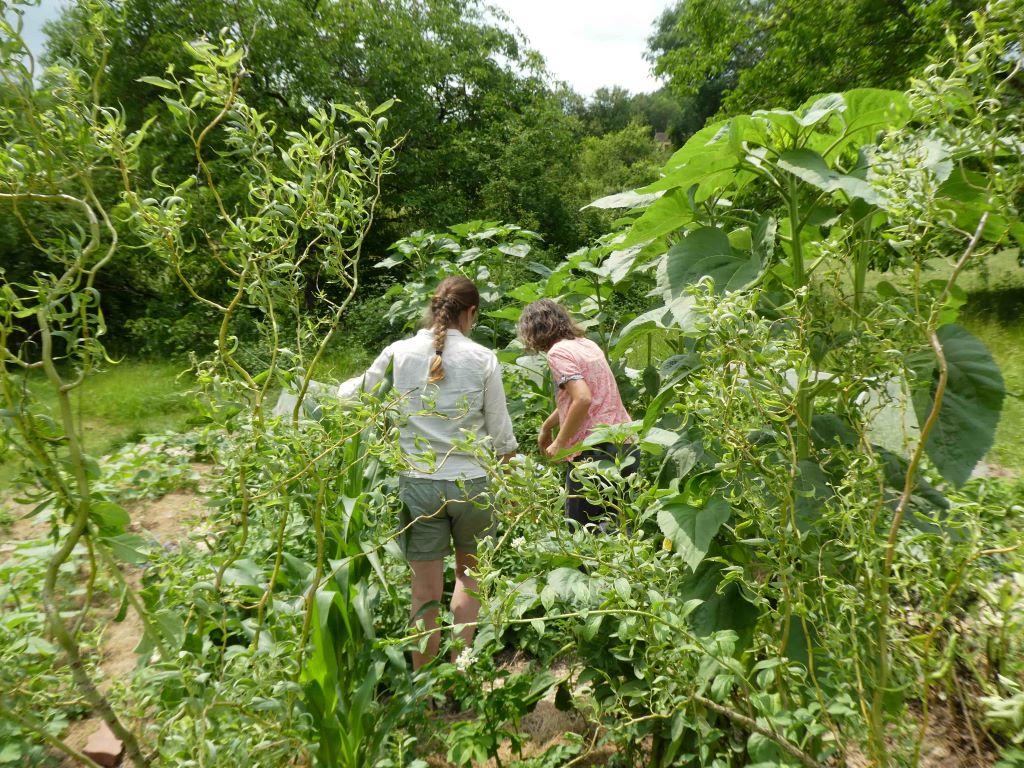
x,y
741,55
623,159
480,123
772,586
689,529
497,697
492,254
761,234
35,682
612,110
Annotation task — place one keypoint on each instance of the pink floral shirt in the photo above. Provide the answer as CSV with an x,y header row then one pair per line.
x,y
572,359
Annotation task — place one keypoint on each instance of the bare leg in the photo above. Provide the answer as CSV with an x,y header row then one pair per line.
x,y
465,606
427,586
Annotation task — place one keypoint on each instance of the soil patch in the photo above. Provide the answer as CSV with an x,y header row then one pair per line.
x,y
167,521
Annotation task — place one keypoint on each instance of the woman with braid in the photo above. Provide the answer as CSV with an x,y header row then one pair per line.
x,y
450,392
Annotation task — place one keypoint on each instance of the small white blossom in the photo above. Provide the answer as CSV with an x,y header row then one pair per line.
x,y
518,541
465,660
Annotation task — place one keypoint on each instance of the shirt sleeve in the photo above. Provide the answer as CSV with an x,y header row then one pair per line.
x,y
496,418
565,366
368,380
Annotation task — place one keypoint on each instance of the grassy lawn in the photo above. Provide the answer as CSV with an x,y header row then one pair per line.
x,y
1006,342
119,405
136,398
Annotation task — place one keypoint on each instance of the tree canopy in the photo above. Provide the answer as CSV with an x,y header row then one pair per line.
x,y
733,56
461,74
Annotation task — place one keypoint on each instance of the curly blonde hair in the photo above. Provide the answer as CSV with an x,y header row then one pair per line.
x,y
454,295
543,323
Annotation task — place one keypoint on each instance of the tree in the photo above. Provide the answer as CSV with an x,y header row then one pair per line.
x,y
756,54
613,109
624,159
455,72
471,99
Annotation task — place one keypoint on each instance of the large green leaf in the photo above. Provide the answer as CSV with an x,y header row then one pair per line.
x,y
705,140
723,609
715,161
671,212
707,251
812,492
852,118
965,195
971,405
628,199
807,165
763,239
691,529
868,112
619,264
567,584
110,518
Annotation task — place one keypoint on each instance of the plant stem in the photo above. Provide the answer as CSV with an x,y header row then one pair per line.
x,y
79,525
860,267
877,724
804,395
785,744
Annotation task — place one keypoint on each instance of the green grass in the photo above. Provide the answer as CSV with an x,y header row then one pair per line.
x,y
342,362
1006,342
120,405
135,398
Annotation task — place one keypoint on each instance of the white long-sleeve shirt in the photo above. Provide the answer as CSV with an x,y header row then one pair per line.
x,y
467,405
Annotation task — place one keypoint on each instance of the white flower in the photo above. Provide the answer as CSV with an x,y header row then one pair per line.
x,y
465,660
518,542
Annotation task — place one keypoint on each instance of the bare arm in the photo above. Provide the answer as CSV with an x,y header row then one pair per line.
x,y
579,406
545,436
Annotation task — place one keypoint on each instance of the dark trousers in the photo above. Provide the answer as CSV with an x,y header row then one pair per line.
x,y
578,509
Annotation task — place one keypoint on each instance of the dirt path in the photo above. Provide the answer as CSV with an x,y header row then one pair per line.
x,y
167,521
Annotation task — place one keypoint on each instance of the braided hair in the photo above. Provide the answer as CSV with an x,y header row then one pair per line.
x,y
453,296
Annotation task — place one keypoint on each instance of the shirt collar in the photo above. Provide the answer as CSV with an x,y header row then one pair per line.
x,y
451,332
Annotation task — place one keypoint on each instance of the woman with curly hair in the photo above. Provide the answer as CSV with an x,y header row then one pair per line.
x,y
450,391
586,395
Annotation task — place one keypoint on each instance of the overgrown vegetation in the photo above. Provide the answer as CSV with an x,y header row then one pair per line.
x,y
803,568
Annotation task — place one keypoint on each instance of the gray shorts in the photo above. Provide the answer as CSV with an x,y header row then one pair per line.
x,y
437,512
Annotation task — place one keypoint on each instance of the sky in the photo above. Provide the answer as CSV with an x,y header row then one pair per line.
x,y
35,17
587,43
591,43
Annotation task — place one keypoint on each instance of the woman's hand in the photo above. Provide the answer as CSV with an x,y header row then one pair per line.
x,y
553,449
544,440
547,429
